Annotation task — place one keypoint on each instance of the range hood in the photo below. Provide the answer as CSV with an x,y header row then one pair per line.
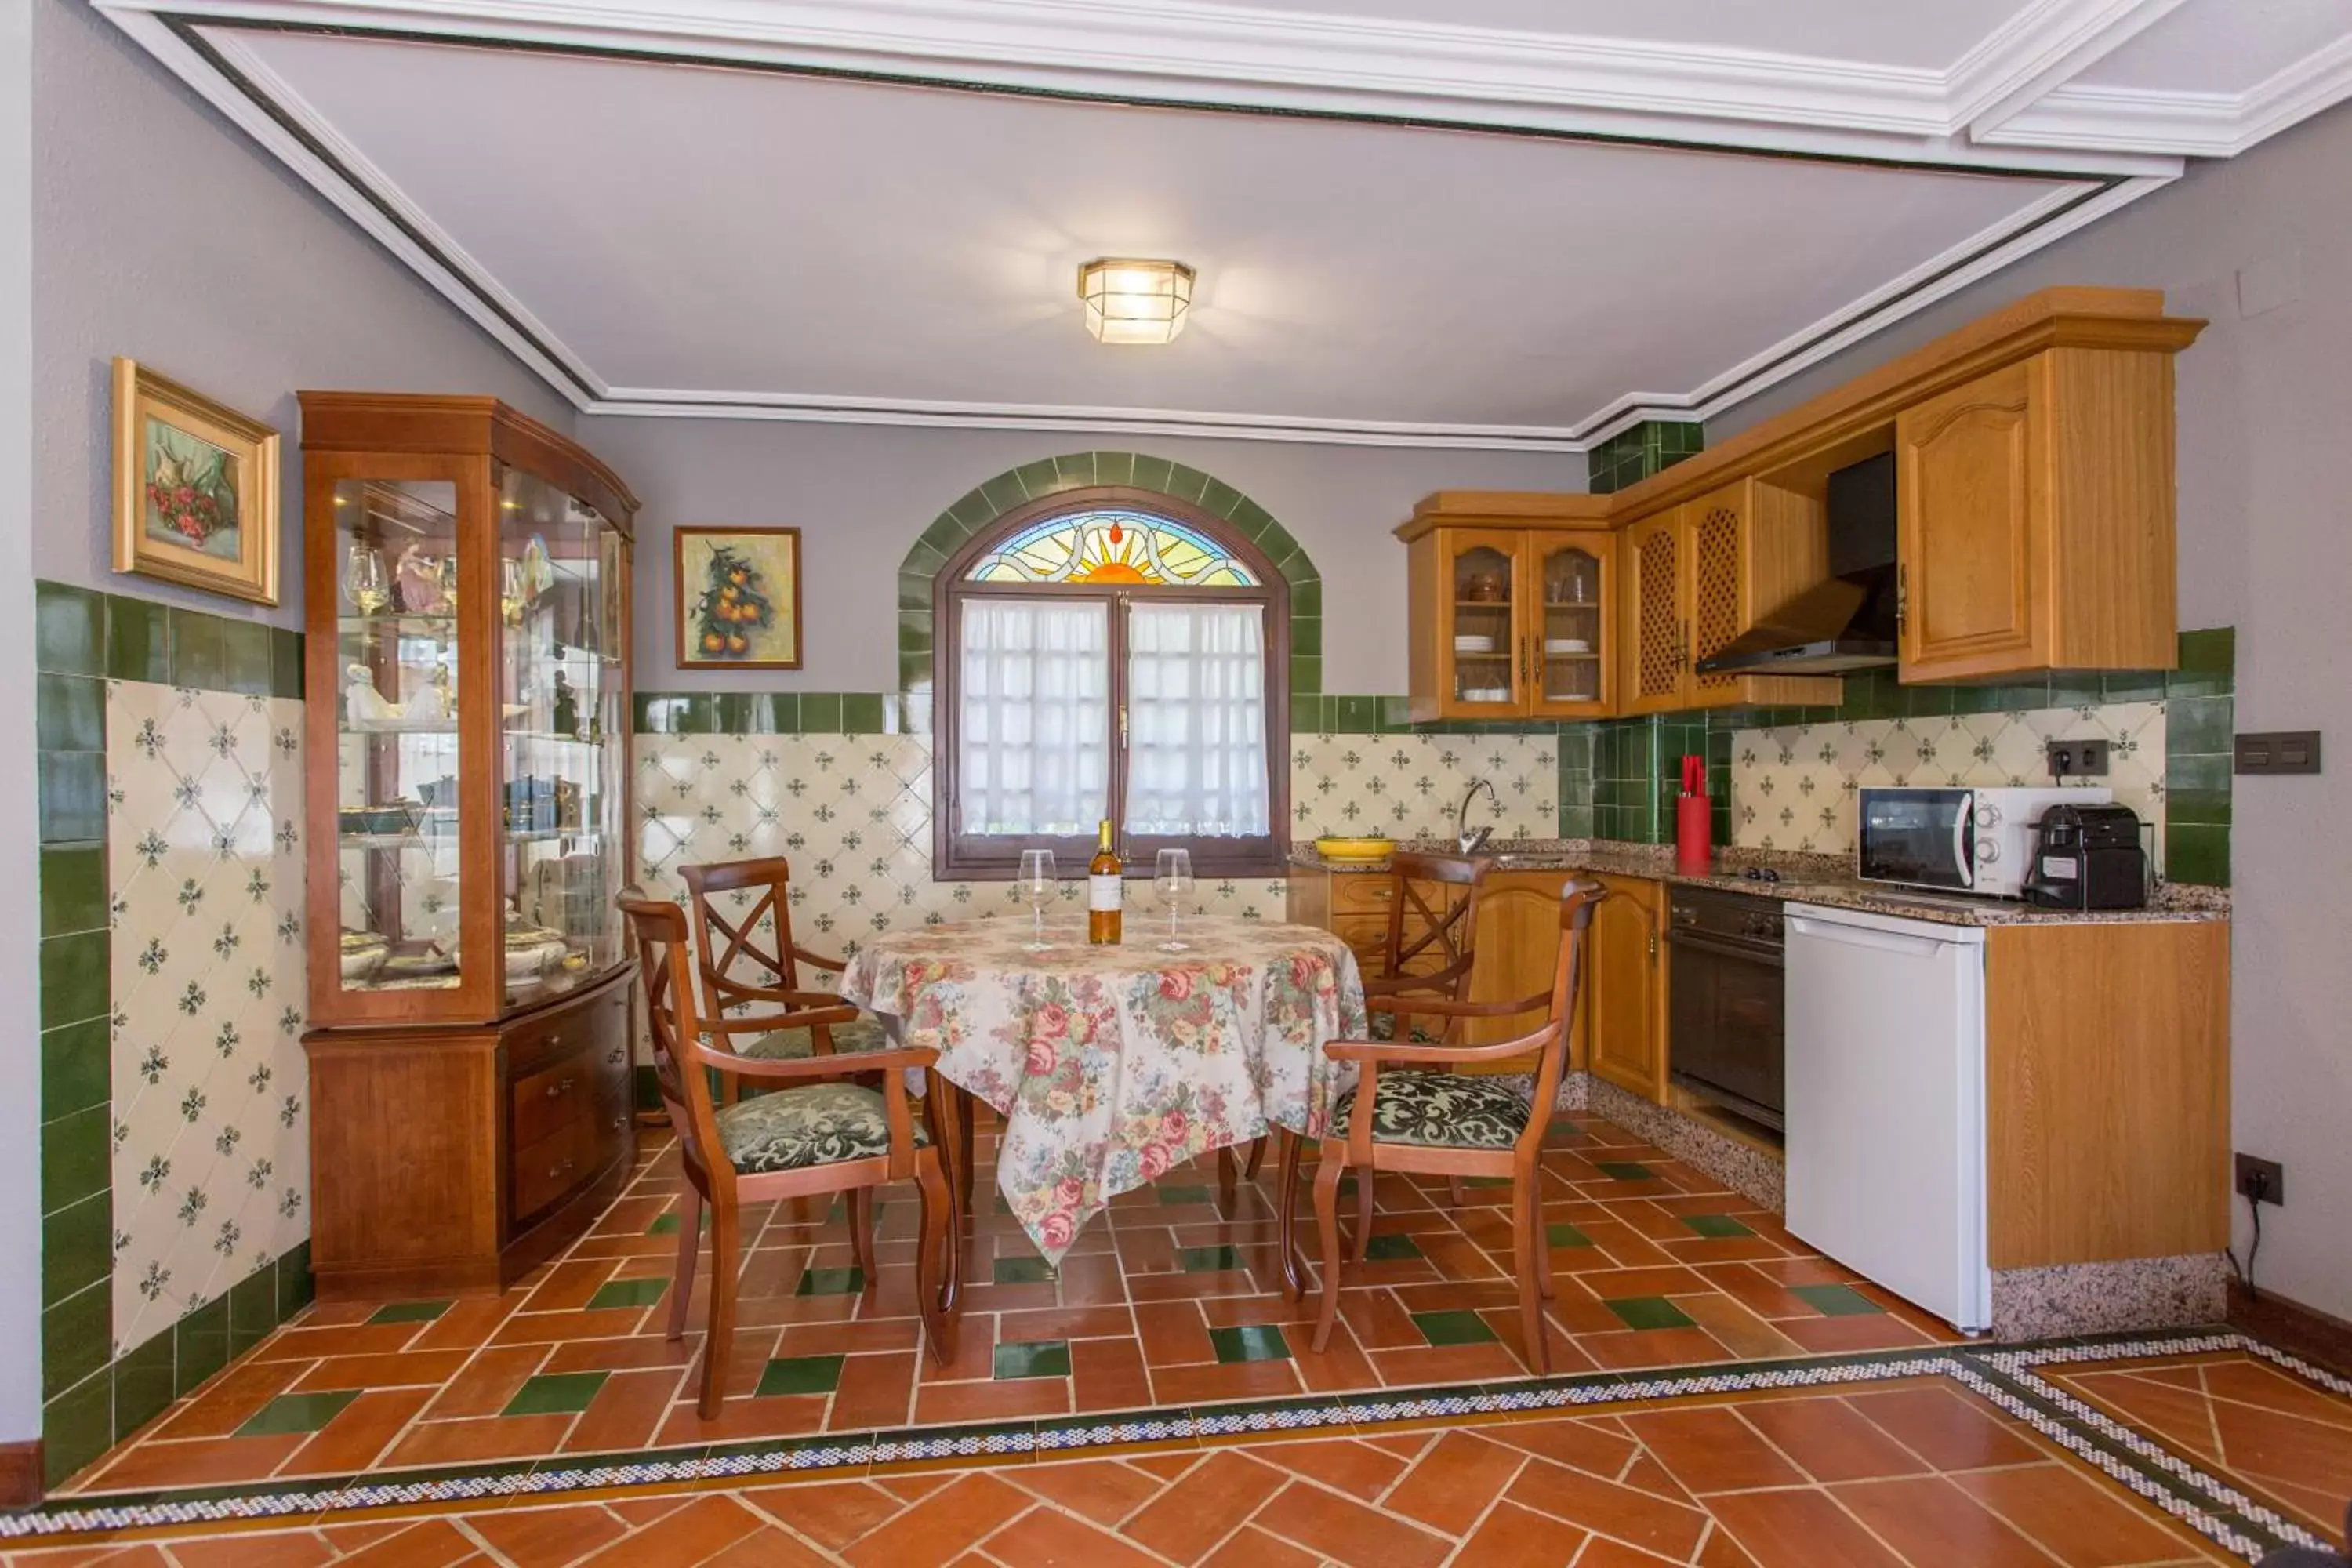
x,y
1848,622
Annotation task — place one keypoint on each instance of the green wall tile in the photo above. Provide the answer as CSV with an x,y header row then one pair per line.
x,y
77,1068
1305,634
1305,673
914,592
1220,499
1040,478
77,1426
73,888
1114,467
68,629
2197,853
70,712
201,1348
778,714
2197,789
2210,650
199,650
252,1308
284,663
138,639
2200,726
915,632
1359,715
142,1386
75,1157
76,1335
1306,597
820,712
861,713
1396,715
77,1247
73,978
72,796
295,1286
732,712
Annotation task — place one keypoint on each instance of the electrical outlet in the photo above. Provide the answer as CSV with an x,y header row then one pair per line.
x,y
2267,1176
2077,759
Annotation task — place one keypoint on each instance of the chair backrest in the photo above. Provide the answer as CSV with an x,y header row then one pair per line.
x,y
1576,900
1424,917
674,1023
733,954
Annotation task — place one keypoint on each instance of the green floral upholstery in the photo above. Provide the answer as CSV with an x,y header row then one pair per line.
x,y
1440,1111
790,1045
816,1124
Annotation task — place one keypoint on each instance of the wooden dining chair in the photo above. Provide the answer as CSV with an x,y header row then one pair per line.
x,y
742,965
817,1133
1419,1116
1428,948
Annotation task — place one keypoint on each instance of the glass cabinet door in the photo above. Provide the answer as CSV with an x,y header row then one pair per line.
x,y
1569,653
561,570
397,800
1487,647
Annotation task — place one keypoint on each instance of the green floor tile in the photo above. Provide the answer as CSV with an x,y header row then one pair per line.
x,y
1718,1225
1172,1195
1836,1300
1566,1235
832,1282
297,1413
1022,1271
628,1293
1625,1170
1649,1313
1486,1181
1452,1327
1034,1358
555,1393
663,1225
1207,1259
800,1374
1389,1248
411,1311
1250,1342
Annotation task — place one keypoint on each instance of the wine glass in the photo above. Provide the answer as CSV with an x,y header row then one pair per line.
x,y
363,579
1040,886
1172,874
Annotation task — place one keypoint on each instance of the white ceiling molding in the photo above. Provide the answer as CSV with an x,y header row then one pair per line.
x,y
2187,124
2042,47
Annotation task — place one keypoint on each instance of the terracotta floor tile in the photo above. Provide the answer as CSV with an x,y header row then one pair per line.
x,y
1578,1445
1711,1450
874,1390
1066,1323
700,1530
1874,1332
2252,1382
939,1528
1343,1464
2178,1415
1045,1539
487,1382
428,1543
468,1325
547,1535
359,1433
1101,1490
278,1549
2075,1519
200,1461
1108,1374
1943,1428
1215,1382
1250,1547
1622,1513
767,1547
569,1285
228,1401
1830,1439
1206,1505
949,1404
1347,1531
1515,1537
479,1438
1933,1524
1736,1328
783,1416
639,1352
625,1413
398,1370
357,1339
1799,1529
1636,1348
831,1513
1452,1483
1447,1364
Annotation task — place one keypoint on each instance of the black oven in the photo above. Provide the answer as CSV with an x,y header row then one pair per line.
x,y
1726,1038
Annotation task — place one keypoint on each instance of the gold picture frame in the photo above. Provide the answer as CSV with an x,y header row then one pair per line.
x,y
737,594
195,489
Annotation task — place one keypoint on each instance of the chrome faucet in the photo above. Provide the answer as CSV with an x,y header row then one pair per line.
x,y
1466,838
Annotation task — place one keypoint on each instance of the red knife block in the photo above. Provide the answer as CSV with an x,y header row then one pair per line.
x,y
1694,832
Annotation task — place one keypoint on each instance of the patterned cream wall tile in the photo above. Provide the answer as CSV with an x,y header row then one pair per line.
x,y
1412,785
1795,788
211,1160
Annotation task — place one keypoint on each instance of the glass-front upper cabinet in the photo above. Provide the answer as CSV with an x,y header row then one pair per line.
x,y
1486,639
468,689
1570,595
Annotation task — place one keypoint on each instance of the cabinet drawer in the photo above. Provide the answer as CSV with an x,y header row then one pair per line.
x,y
558,1095
546,1170
1359,893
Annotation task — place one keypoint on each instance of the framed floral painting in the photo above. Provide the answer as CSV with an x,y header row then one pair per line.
x,y
195,489
738,597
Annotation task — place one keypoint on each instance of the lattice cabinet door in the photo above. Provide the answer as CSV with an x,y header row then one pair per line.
x,y
1653,624
1718,537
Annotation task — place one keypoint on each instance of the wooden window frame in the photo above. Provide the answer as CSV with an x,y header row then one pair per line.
x,y
978,857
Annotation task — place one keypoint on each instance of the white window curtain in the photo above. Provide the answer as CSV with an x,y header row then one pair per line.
x,y
1196,740
1033,726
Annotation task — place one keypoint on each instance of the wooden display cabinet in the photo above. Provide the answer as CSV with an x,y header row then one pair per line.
x,y
467,578
1512,606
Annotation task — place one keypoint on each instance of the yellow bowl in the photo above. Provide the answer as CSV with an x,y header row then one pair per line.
x,y
1376,848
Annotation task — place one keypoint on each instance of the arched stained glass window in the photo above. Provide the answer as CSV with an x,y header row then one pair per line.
x,y
1113,545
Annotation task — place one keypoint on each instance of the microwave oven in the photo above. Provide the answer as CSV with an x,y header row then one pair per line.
x,y
1957,840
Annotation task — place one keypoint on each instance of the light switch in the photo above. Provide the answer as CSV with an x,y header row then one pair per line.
x,y
2279,751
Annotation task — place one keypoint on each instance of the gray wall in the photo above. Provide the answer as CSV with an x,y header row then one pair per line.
x,y
162,233
2265,412
20,1057
861,494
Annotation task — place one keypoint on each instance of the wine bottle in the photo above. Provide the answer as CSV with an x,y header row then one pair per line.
x,y
1104,889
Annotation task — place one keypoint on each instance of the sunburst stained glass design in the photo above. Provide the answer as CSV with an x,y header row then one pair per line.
x,y
1113,546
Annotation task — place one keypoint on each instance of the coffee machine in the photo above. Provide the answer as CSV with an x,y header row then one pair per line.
x,y
2088,858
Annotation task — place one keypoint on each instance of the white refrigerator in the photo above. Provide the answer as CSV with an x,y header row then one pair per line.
x,y
1886,1117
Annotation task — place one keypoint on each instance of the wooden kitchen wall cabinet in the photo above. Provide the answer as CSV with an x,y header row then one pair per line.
x,y
2036,519
1625,988
1695,576
1511,607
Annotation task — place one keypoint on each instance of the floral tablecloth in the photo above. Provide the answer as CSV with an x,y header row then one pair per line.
x,y
1113,1064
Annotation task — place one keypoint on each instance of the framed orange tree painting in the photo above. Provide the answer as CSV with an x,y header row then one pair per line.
x,y
195,489
738,597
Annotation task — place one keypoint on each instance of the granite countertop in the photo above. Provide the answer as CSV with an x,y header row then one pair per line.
x,y
1804,879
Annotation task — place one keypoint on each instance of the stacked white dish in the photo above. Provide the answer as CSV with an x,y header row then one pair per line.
x,y
1473,642
1486,694
1567,644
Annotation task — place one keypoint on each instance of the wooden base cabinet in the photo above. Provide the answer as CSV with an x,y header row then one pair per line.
x,y
1625,988
450,1160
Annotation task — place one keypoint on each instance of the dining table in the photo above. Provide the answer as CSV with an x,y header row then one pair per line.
x,y
1110,1064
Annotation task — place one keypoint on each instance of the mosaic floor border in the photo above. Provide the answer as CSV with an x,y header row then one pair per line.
x,y
2003,1374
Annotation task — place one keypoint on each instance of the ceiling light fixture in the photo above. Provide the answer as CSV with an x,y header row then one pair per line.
x,y
1136,301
